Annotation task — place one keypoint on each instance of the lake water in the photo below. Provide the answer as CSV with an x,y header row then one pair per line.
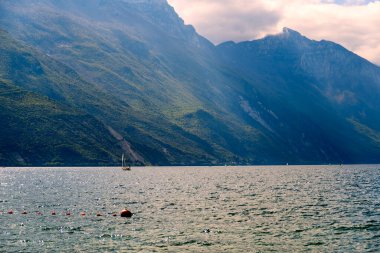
x,y
192,209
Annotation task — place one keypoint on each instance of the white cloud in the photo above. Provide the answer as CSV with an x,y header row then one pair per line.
x,y
352,23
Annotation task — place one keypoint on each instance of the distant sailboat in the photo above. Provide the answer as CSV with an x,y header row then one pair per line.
x,y
123,164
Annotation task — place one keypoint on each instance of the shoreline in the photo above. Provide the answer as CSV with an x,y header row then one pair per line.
x,y
190,166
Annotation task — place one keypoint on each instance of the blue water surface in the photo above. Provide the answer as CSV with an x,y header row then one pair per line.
x,y
191,209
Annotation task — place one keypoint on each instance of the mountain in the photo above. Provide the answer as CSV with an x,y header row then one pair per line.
x,y
329,93
158,66
36,130
169,96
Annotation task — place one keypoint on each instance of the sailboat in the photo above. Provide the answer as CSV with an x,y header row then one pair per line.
x,y
123,164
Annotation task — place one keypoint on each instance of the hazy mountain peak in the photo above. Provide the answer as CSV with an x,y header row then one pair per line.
x,y
287,32
286,37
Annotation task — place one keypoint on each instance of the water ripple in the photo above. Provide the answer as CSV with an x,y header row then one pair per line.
x,y
203,209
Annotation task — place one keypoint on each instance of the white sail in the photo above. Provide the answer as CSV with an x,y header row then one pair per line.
x,y
124,164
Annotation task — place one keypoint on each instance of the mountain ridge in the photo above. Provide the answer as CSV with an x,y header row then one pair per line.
x,y
176,99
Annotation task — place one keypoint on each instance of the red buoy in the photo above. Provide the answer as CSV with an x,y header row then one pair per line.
x,y
10,212
24,212
126,213
53,213
68,213
99,214
83,214
114,214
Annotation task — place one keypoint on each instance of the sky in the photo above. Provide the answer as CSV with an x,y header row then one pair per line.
x,y
355,24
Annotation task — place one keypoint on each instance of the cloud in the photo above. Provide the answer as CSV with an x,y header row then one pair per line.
x,y
224,20
352,23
